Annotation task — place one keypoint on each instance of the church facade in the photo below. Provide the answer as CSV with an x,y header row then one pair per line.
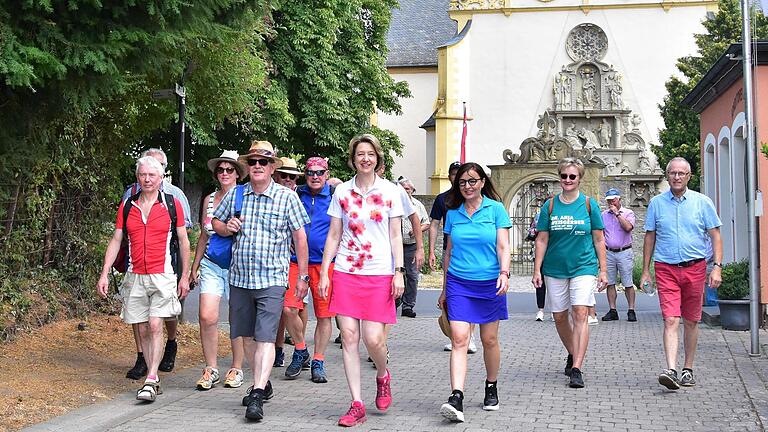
x,y
584,73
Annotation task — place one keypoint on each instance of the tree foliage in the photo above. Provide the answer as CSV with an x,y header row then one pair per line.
x,y
76,78
681,137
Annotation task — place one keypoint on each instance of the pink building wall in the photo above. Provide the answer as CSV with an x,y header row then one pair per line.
x,y
722,112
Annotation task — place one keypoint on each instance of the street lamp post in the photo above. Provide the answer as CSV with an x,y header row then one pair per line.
x,y
181,94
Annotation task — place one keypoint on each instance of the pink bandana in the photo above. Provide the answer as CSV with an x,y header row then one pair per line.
x,y
317,161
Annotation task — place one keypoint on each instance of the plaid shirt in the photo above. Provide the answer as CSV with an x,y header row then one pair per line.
x,y
261,250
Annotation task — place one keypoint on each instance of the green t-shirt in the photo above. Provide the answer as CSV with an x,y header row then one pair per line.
x,y
570,250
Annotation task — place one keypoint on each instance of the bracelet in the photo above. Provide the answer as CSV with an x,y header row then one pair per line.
x,y
504,272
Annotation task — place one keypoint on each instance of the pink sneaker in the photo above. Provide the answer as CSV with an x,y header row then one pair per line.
x,y
355,415
383,392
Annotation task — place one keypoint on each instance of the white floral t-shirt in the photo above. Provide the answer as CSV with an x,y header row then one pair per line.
x,y
365,246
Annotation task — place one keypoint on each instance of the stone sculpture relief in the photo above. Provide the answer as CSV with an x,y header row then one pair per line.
x,y
641,193
476,4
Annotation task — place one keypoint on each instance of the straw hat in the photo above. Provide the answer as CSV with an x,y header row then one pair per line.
x,y
231,157
263,149
289,166
445,326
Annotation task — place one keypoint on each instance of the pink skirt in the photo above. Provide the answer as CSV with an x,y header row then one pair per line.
x,y
363,297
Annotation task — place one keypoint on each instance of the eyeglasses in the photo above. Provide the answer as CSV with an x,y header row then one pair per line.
x,y
471,182
262,162
678,173
568,176
312,173
228,170
290,176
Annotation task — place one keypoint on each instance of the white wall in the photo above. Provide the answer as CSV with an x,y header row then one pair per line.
x,y
418,160
515,58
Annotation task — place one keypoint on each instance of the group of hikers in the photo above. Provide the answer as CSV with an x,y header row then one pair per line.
x,y
356,247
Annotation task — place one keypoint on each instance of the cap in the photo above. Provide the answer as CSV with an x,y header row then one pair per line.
x,y
454,166
612,193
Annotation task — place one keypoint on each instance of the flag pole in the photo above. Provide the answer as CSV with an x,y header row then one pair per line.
x,y
463,156
754,285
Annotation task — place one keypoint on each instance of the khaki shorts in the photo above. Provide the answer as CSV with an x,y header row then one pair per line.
x,y
149,295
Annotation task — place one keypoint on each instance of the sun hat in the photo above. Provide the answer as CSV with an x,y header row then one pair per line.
x,y
263,149
612,193
445,326
289,166
230,156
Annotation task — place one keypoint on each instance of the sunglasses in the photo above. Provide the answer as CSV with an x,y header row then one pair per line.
x,y
290,176
262,162
311,173
228,170
568,176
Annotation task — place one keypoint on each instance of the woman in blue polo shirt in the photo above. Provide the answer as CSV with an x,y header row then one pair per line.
x,y
476,280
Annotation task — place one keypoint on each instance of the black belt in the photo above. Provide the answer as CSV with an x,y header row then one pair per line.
x,y
620,249
688,263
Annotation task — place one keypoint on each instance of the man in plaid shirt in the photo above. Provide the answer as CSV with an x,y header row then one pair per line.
x,y
272,216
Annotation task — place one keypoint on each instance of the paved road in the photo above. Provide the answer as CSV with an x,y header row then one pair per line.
x,y
620,373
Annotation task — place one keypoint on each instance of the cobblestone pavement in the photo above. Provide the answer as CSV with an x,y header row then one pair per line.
x,y
621,394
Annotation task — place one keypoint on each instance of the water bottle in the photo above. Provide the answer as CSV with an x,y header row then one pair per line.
x,y
648,288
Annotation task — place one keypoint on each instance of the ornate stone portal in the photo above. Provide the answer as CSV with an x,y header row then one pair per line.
x,y
591,120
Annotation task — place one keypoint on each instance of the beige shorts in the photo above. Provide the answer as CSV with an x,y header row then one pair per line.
x,y
576,291
149,295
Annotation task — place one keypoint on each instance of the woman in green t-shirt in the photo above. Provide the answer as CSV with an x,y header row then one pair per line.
x,y
569,249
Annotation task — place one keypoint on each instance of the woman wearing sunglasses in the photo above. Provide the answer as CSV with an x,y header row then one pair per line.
x,y
213,280
570,249
476,280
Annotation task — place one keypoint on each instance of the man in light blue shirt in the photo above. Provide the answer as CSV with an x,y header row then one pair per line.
x,y
676,228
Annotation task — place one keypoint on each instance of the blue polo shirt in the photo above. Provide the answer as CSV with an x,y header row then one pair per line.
x,y
681,226
473,239
319,221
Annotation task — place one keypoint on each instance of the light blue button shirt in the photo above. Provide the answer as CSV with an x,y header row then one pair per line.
x,y
681,226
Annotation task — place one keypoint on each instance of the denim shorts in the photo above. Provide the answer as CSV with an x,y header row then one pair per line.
x,y
213,279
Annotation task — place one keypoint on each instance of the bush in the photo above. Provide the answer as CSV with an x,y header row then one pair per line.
x,y
735,284
637,272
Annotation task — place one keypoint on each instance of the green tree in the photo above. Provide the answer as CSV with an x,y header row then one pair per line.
x,y
682,134
328,60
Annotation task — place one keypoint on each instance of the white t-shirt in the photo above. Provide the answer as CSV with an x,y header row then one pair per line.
x,y
365,246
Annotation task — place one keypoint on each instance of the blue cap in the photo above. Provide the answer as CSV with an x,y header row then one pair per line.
x,y
612,193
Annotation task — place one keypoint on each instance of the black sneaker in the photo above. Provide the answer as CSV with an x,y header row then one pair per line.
x,y
279,358
169,356
268,393
668,378
568,364
686,378
577,381
631,315
612,315
409,313
255,409
288,339
453,410
491,400
139,368
338,339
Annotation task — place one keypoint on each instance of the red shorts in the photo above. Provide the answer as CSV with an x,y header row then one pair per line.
x,y
681,289
320,304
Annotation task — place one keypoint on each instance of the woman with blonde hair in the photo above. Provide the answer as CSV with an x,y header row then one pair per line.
x,y
368,272
570,257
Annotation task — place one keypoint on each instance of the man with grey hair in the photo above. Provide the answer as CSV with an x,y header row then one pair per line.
x,y
150,290
677,224
410,235
139,369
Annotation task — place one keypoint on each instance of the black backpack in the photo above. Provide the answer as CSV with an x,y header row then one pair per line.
x,y
121,262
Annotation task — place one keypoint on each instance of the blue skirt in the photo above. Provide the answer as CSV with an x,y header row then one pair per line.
x,y
474,301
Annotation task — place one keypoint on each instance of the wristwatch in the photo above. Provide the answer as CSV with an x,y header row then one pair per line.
x,y
305,278
400,269
719,264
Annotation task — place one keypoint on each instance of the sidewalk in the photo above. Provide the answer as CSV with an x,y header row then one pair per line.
x,y
620,372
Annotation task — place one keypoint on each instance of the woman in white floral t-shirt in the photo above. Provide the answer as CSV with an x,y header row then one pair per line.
x,y
365,239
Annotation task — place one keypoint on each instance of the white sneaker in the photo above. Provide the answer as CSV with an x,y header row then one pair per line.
x,y
592,320
540,316
448,347
552,317
472,348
